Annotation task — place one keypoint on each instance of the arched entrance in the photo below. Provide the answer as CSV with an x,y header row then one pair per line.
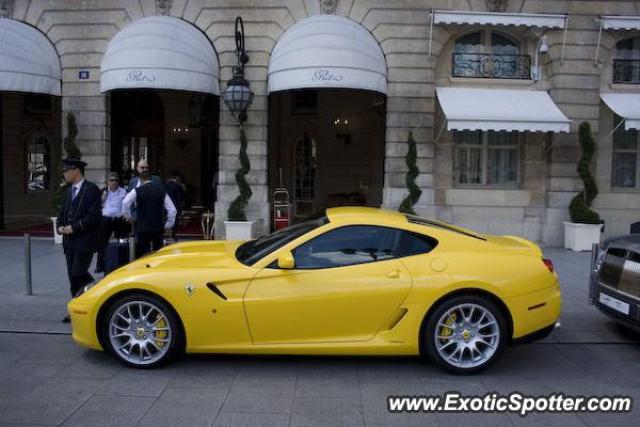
x,y
162,76
29,124
327,151
327,85
173,131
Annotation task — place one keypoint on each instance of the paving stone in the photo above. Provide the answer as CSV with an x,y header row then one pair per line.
x,y
139,382
187,407
243,419
50,403
318,412
92,365
119,411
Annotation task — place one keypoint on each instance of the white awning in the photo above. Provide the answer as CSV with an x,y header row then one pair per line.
x,y
327,51
612,22
626,105
500,109
28,60
160,52
615,23
498,18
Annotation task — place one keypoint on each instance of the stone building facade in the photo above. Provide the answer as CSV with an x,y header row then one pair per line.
x,y
534,182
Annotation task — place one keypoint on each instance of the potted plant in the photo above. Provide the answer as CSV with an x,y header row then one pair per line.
x,y
71,149
237,227
414,191
585,226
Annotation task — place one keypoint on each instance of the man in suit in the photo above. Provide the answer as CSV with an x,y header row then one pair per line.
x,y
78,222
151,201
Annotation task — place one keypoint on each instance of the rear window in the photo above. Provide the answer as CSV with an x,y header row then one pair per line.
x,y
413,219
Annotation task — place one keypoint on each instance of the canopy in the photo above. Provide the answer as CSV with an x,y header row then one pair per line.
x,y
327,51
626,105
612,22
29,61
498,18
160,52
500,109
543,20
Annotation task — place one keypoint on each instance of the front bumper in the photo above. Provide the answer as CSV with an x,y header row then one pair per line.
x,y
83,324
630,318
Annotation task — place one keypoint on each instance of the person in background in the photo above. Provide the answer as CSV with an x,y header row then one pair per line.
x,y
142,166
175,191
112,220
151,202
78,222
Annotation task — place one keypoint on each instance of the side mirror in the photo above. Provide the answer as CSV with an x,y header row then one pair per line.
x,y
286,261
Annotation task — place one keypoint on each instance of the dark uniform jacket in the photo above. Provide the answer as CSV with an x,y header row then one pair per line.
x,y
84,214
150,209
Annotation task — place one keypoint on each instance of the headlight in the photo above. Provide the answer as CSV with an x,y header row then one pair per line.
x,y
597,266
85,289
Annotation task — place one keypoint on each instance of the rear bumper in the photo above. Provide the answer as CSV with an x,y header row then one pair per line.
x,y
535,336
535,312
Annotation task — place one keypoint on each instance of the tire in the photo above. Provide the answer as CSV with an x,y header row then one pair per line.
x,y
465,347
142,331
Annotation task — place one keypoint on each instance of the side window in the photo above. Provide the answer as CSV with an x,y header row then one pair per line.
x,y
355,244
414,244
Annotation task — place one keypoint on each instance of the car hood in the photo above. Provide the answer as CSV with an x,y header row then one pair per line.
x,y
196,254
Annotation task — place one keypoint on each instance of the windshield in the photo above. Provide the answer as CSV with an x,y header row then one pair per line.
x,y
433,223
253,251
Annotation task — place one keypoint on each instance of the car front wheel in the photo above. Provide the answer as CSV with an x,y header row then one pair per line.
x,y
141,331
465,334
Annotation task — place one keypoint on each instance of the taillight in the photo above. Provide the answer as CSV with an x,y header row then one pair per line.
x,y
548,263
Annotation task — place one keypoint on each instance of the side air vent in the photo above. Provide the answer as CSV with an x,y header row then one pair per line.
x,y
213,288
396,318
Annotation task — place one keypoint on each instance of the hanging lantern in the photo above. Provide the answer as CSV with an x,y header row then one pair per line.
x,y
238,96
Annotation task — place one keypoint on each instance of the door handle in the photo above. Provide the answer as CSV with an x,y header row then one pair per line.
x,y
395,274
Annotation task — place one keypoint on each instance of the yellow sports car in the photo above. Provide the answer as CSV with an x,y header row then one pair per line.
x,y
353,281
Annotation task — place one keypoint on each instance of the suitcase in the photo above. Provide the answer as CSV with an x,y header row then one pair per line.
x,y
115,256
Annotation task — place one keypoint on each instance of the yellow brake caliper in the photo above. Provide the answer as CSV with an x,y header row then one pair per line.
x,y
160,335
445,332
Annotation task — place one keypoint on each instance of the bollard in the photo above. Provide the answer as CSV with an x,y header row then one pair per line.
x,y
27,263
132,248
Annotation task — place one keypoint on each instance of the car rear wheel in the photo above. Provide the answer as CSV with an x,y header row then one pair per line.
x,y
141,331
465,334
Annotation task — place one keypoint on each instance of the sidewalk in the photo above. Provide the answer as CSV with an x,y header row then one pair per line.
x,y
43,311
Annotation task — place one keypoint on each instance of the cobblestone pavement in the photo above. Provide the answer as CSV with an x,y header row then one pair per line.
x,y
45,379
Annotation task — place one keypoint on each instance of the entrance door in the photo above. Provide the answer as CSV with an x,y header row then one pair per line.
x,y
173,131
326,147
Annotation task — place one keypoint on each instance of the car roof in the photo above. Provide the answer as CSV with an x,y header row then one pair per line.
x,y
362,212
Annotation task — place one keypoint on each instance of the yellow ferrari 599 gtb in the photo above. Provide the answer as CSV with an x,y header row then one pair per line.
x,y
352,281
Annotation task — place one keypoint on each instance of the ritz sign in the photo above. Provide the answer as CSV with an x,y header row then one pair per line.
x,y
138,76
325,76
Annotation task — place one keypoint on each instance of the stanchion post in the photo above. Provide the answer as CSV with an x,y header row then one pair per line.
x,y
132,248
27,264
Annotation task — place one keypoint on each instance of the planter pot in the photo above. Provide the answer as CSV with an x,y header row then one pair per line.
x,y
57,237
581,237
238,230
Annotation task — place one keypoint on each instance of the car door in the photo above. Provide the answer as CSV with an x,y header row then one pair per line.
x,y
345,285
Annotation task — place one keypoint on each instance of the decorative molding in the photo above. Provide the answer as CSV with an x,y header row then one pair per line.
x,y
6,8
163,7
328,7
497,5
